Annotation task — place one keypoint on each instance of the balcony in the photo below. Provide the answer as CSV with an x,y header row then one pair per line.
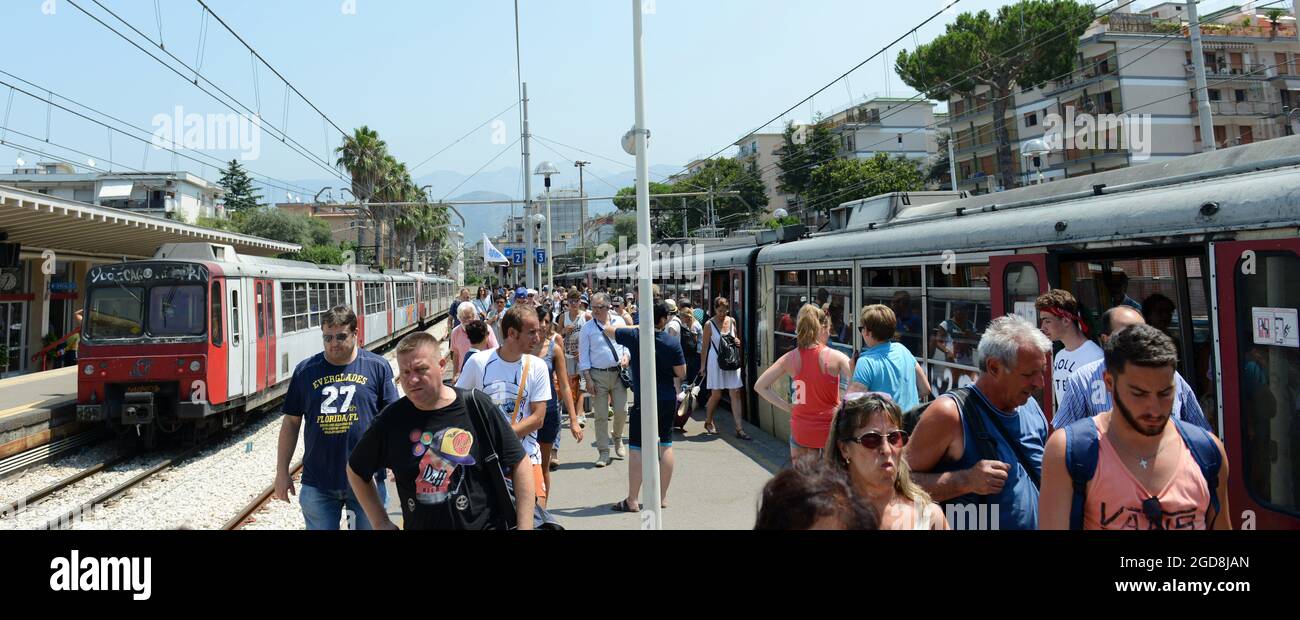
x,y
1095,70
1242,108
1145,24
1252,71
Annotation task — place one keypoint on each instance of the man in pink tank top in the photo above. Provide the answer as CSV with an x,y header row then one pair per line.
x,y
1146,476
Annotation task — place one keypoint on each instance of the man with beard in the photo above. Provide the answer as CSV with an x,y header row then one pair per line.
x,y
1099,474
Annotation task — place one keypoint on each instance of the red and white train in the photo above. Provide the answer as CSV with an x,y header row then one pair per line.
x,y
198,334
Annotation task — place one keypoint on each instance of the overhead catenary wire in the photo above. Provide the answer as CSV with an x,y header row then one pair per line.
x,y
284,138
482,168
264,179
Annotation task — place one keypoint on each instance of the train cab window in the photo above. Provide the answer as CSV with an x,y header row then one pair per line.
x,y
116,312
791,295
176,310
900,289
1020,288
833,291
1269,371
959,308
218,335
234,318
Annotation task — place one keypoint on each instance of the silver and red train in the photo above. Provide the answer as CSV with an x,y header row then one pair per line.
x,y
188,340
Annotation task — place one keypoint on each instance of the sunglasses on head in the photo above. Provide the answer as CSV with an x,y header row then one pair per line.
x,y
873,440
343,337
1154,513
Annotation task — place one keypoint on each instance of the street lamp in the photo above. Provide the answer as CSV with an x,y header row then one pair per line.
x,y
547,169
1035,150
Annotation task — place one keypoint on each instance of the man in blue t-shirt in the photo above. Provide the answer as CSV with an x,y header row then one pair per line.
x,y
339,392
887,366
670,369
989,483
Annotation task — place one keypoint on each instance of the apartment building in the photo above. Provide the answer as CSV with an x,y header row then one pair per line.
x,y
892,125
763,150
1131,99
175,195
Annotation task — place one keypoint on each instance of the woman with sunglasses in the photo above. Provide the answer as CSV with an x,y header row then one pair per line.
x,y
816,371
867,440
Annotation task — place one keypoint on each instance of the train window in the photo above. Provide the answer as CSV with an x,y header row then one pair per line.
x,y
791,294
234,318
295,307
316,298
958,310
1270,382
176,310
900,289
218,335
834,294
1020,290
116,312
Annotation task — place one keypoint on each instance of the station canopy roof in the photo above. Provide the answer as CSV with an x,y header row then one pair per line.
x,y
49,223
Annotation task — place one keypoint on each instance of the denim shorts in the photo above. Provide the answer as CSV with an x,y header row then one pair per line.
x,y
550,430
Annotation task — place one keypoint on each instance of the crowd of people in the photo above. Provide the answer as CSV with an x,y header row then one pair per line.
x,y
1128,448
474,441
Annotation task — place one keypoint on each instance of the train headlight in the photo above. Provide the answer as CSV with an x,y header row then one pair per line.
x,y
195,366
89,369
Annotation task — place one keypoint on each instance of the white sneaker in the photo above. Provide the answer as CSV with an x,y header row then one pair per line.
x,y
619,450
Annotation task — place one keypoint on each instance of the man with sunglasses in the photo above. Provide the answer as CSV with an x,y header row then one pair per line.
x,y
1121,456
338,392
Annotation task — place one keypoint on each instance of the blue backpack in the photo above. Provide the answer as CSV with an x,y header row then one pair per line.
x,y
1082,447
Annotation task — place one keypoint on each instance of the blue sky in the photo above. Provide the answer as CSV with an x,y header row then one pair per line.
x,y
425,72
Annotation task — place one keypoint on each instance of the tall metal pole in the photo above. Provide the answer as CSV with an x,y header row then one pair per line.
x,y
582,225
952,159
645,300
1202,95
550,242
528,199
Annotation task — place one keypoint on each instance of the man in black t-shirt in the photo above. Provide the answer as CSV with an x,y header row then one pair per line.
x,y
432,442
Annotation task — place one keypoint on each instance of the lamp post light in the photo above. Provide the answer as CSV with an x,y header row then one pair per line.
x,y
547,169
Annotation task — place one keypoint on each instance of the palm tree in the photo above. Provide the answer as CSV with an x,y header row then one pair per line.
x,y
365,158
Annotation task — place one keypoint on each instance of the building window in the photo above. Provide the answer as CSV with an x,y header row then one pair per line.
x,y
1214,94
1240,94
1031,119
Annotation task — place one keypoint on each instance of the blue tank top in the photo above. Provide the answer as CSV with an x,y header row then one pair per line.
x,y
1017,504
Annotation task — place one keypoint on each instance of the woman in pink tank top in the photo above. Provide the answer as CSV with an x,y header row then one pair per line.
x,y
815,371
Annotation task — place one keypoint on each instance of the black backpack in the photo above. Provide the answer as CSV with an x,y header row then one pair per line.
x,y
690,341
728,349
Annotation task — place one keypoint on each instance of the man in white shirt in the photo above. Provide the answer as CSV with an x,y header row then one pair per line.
x,y
599,361
1059,318
519,383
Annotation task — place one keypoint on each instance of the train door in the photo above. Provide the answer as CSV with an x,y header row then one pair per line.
x,y
1015,281
235,351
265,301
259,297
1258,357
390,295
359,306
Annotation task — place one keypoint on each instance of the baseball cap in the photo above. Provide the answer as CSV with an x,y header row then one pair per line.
x,y
521,293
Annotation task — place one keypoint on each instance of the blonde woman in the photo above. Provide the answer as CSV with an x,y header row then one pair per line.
x,y
816,373
867,440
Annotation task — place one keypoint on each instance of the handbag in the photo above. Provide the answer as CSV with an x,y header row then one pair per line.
x,y
624,373
542,519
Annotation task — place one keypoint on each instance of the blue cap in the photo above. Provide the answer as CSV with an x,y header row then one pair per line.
x,y
521,293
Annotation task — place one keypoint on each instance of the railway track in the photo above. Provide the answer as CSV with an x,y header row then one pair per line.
x,y
262,498
70,517
45,453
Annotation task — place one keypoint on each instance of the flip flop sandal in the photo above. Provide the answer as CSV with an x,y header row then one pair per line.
x,y
621,506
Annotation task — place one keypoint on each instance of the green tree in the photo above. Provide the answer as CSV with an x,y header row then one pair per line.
x,y
319,254
982,50
272,223
844,180
626,198
240,195
625,226
365,158
799,158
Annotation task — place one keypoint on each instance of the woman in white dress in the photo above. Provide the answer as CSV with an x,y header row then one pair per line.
x,y
717,379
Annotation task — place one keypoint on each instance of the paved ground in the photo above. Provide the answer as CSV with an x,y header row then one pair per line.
x,y
715,485
25,392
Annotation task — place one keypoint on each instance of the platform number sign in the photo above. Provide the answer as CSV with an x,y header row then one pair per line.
x,y
517,258
541,257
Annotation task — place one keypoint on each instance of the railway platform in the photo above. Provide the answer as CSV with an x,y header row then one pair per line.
x,y
36,409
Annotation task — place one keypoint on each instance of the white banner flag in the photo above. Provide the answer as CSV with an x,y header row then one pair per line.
x,y
491,254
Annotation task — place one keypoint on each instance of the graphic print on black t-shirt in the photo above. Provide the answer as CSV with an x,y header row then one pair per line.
x,y
441,455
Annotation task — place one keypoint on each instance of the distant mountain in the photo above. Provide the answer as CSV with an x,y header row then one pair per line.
x,y
502,184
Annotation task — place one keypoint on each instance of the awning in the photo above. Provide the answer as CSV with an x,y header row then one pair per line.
x,y
41,222
111,190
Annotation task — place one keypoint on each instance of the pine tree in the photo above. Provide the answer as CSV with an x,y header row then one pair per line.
x,y
240,194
